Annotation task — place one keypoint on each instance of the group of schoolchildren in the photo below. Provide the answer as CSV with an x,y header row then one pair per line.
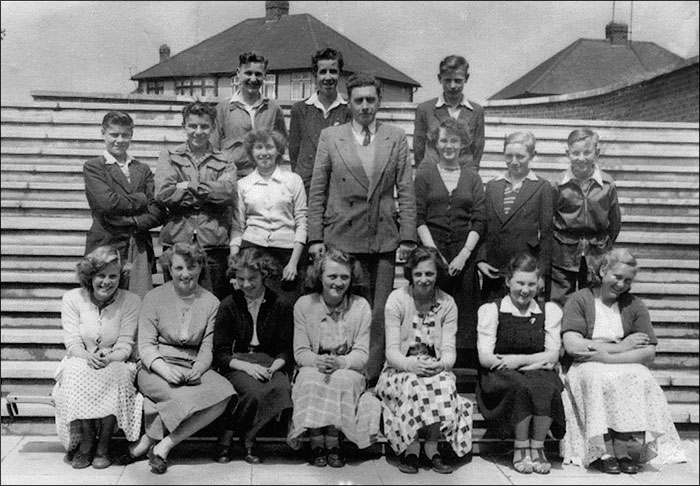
x,y
279,304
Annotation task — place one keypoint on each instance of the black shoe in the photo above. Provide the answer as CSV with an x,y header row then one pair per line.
x,y
81,460
222,453
627,465
409,464
335,457
439,466
608,465
157,463
251,455
318,457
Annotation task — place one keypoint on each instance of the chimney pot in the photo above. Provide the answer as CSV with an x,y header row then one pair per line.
x,y
274,9
164,52
617,32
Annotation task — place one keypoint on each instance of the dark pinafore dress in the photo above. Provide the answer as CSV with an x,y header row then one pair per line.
x,y
506,397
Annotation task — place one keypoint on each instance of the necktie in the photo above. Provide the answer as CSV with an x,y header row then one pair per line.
x,y
366,140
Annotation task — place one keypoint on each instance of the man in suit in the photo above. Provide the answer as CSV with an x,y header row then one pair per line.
x,y
119,190
358,167
454,73
325,108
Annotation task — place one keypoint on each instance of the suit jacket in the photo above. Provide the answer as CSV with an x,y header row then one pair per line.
x,y
428,117
114,201
305,127
528,225
233,329
348,210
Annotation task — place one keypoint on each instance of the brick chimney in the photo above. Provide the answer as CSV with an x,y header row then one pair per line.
x,y
617,33
164,52
274,9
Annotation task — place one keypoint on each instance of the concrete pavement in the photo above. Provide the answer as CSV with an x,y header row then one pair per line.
x,y
39,460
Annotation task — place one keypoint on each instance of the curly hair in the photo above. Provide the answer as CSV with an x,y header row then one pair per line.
x,y
263,135
251,57
192,253
422,254
97,260
606,262
253,258
357,277
327,54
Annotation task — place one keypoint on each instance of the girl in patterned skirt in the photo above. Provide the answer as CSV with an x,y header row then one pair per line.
x,y
331,348
617,416
518,392
417,389
95,390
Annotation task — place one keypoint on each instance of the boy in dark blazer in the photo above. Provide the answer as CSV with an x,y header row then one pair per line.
x,y
454,74
325,108
120,193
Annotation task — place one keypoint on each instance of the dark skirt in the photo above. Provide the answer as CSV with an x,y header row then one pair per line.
x,y
506,397
258,402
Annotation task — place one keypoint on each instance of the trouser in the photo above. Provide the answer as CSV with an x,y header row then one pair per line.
x,y
565,282
379,268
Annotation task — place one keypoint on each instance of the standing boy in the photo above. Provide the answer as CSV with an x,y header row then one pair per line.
x,y
198,186
454,74
119,190
247,109
325,108
586,215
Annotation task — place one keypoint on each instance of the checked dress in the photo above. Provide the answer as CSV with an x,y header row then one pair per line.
x,y
411,402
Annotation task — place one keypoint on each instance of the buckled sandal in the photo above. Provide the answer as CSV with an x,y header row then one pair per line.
x,y
540,464
524,464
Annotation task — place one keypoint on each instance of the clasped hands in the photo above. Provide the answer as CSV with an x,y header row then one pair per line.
x,y
257,371
327,363
176,375
98,359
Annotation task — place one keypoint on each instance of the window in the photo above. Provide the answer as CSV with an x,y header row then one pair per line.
x,y
302,85
196,87
155,87
269,89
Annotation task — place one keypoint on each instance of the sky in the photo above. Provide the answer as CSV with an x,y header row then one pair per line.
x,y
98,46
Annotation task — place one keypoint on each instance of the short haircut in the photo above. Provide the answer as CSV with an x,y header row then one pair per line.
x,y
254,259
250,57
450,125
119,118
454,63
192,253
315,272
607,261
525,138
197,108
361,79
263,135
522,262
327,54
422,254
582,134
95,261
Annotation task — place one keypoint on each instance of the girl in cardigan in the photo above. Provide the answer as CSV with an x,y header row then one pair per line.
x,y
518,391
417,387
331,348
450,217
94,389
617,415
253,350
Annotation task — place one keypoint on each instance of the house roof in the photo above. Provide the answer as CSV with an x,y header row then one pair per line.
x,y
287,43
589,64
